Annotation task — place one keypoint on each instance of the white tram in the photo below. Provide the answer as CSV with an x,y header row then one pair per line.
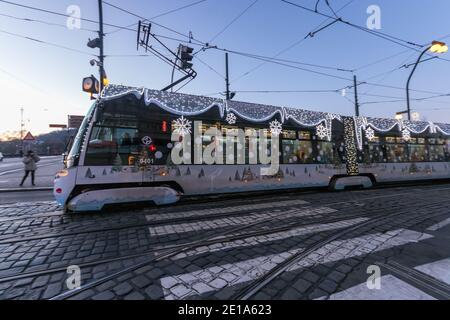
x,y
122,152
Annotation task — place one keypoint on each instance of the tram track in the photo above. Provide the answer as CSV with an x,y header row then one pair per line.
x,y
251,290
179,249
220,238
223,237
44,232
418,279
205,200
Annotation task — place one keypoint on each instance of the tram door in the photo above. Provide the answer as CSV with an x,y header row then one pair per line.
x,y
155,152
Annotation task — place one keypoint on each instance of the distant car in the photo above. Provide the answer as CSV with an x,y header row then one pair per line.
x,y
1,157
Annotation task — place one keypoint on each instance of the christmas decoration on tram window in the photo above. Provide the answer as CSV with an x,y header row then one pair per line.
x,y
146,140
231,118
360,125
351,155
321,131
413,168
89,174
279,175
248,175
370,134
182,126
276,128
406,135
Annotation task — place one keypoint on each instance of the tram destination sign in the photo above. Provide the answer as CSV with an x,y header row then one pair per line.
x,y
74,122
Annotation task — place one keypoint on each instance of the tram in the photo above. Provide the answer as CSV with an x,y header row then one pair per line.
x,y
123,151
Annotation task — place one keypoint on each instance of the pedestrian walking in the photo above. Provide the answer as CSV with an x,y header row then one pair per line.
x,y
30,161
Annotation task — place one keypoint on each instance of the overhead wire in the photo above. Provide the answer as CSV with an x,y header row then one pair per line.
x,y
294,44
45,42
42,22
161,15
233,21
380,34
190,37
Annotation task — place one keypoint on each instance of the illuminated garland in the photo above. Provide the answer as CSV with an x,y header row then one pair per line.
x,y
191,105
351,152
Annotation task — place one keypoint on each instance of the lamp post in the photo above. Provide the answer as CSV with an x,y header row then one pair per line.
x,y
435,47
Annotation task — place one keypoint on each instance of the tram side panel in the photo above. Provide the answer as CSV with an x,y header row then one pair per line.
x,y
410,171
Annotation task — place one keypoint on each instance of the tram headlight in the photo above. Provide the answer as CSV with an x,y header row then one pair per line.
x,y
62,173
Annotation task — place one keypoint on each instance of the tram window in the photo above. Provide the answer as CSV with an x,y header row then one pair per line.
x,y
324,152
230,130
376,153
437,153
421,140
390,140
396,153
266,133
289,134
417,153
297,151
304,135
209,139
447,150
118,121
111,146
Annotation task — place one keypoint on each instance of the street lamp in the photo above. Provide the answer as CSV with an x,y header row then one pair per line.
x,y
435,47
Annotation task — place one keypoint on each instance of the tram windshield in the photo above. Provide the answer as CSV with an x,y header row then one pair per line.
x,y
117,135
74,153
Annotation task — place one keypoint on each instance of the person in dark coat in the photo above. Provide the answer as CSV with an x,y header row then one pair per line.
x,y
30,161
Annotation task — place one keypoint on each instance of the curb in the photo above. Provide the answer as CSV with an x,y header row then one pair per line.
x,y
26,189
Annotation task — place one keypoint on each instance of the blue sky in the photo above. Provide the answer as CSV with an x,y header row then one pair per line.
x,y
46,81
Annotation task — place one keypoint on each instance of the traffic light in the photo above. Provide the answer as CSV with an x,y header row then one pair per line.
x,y
185,55
91,85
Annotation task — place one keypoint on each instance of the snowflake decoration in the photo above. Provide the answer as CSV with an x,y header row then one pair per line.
x,y
370,134
275,128
147,140
406,135
182,126
322,132
231,118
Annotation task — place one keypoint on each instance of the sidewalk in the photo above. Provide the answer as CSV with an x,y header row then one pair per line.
x,y
23,189
45,176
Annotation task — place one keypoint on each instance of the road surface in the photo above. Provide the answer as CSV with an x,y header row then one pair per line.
x,y
371,244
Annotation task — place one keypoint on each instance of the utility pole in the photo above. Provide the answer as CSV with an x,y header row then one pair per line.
x,y
101,35
227,80
356,96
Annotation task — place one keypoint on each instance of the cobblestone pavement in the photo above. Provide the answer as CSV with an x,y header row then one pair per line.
x,y
290,245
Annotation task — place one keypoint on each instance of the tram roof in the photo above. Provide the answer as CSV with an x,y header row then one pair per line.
x,y
193,105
